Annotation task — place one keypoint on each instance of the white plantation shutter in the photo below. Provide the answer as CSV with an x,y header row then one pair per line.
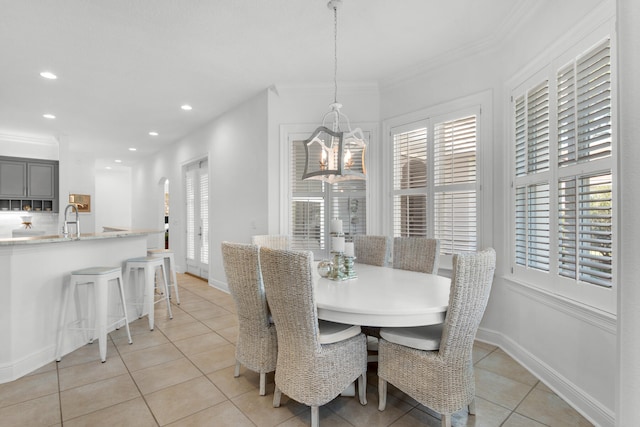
x,y
538,128
204,217
567,228
532,238
584,107
314,203
191,226
434,181
585,244
520,137
410,181
455,185
582,183
585,200
566,116
307,220
594,104
595,235
521,226
538,226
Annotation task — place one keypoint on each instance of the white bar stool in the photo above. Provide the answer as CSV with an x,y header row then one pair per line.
x,y
147,266
169,265
97,280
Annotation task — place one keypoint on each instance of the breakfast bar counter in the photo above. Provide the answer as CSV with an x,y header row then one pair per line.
x,y
33,271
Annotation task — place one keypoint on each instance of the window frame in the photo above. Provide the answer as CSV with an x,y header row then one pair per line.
x,y
478,104
547,66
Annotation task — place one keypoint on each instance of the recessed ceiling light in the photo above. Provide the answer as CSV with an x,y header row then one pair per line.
x,y
132,149
108,168
187,107
152,133
48,75
118,161
48,116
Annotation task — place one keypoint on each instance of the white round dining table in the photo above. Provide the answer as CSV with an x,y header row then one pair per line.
x,y
383,296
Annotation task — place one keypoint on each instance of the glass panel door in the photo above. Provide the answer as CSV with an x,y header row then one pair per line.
x,y
197,218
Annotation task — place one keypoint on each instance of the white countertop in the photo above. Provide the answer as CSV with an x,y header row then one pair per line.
x,y
59,238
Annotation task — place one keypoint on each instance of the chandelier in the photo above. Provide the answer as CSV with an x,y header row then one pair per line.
x,y
335,152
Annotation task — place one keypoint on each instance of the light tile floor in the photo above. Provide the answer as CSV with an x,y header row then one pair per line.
x,y
181,374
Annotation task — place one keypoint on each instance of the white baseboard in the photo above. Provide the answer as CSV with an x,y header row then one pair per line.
x,y
219,285
581,401
26,365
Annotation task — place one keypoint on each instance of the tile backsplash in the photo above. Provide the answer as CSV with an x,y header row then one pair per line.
x,y
45,221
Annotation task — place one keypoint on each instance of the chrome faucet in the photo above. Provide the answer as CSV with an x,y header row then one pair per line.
x,y
65,227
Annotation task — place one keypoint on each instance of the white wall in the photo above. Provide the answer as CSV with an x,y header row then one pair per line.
x,y
112,202
236,146
628,387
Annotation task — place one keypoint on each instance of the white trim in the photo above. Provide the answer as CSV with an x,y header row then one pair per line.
x,y
493,42
579,399
29,363
591,315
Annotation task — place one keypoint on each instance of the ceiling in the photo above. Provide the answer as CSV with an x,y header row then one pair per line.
x,y
125,67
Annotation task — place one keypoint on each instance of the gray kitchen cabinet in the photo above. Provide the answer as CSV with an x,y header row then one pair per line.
x,y
28,184
13,178
41,180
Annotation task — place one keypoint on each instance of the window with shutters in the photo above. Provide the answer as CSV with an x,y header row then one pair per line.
x,y
563,173
435,179
532,177
315,203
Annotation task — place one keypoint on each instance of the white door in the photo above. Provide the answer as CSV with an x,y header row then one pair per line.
x,y
197,193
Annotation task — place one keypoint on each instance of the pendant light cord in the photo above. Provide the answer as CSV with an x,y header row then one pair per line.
x,y
335,54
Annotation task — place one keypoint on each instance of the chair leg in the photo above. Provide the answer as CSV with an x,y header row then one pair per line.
x,y
263,383
166,289
236,372
315,416
362,388
124,307
277,395
382,394
172,272
148,275
472,407
446,420
101,292
66,291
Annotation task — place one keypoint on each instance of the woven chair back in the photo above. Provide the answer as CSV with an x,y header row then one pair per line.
x,y
416,254
271,241
242,267
288,284
372,250
470,287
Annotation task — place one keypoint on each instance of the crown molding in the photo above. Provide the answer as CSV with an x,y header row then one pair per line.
x,y
520,12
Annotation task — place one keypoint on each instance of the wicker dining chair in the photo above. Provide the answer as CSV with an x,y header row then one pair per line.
x,y
372,250
272,241
409,253
416,254
257,345
433,364
308,371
